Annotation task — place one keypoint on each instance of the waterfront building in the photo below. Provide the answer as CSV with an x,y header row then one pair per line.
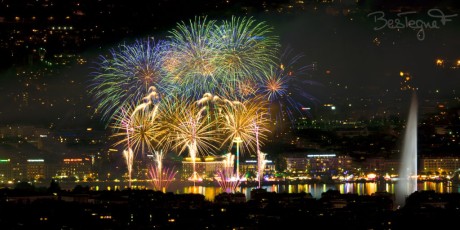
x,y
439,165
35,169
250,166
206,167
318,164
78,167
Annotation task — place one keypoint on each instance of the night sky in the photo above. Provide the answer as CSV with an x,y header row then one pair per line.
x,y
352,58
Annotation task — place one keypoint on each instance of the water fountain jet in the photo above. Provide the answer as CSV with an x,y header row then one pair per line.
x,y
407,182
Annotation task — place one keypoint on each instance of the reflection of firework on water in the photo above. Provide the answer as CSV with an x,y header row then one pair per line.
x,y
244,47
225,177
126,76
161,176
284,88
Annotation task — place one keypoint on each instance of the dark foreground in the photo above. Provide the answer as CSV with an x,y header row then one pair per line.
x,y
147,209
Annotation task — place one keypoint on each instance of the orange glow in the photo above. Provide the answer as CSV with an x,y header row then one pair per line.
x,y
73,160
274,85
371,176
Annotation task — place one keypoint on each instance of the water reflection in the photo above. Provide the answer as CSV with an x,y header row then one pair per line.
x,y
316,190
210,192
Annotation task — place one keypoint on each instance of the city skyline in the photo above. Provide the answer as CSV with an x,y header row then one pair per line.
x,y
229,114
358,76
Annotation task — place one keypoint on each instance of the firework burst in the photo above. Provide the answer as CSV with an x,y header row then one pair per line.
x,y
191,43
190,129
238,121
126,75
204,56
137,128
244,47
284,88
236,59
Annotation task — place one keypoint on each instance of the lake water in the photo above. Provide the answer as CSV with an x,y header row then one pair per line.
x,y
210,191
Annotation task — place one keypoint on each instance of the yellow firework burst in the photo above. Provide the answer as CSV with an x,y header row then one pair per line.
x,y
239,120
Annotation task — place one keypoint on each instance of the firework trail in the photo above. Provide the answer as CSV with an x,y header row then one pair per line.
x,y
260,156
189,129
141,124
137,128
225,176
136,132
238,121
161,176
124,126
129,158
261,162
211,82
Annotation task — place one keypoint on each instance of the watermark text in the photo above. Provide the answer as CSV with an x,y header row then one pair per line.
x,y
403,21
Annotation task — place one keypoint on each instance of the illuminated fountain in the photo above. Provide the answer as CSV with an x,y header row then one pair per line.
x,y
407,182
226,178
260,156
129,159
160,175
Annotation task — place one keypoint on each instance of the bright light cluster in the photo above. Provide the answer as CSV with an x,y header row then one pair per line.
x,y
206,85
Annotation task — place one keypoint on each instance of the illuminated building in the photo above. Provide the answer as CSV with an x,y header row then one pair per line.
x,y
322,163
297,165
35,169
250,165
205,166
317,164
381,166
439,165
209,165
5,170
79,168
